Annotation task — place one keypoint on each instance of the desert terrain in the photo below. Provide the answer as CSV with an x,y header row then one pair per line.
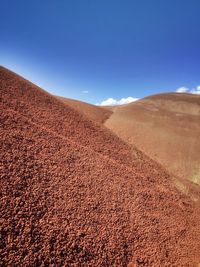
x,y
165,127
78,187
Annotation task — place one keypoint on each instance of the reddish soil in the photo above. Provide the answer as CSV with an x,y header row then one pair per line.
x,y
74,194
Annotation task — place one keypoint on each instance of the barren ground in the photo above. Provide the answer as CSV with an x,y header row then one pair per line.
x,y
74,194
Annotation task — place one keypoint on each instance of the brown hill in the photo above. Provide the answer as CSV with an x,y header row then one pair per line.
x,y
165,127
74,194
95,113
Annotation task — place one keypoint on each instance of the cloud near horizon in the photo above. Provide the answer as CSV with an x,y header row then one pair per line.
x,y
112,102
85,91
184,89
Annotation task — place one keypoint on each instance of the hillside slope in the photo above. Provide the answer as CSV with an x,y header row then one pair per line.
x,y
73,194
95,113
165,127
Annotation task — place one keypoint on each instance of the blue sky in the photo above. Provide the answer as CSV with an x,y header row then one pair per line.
x,y
109,48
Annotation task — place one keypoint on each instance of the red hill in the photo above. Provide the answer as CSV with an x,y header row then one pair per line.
x,y
74,194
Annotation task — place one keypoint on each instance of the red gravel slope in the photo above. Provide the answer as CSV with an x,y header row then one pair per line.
x,y
73,194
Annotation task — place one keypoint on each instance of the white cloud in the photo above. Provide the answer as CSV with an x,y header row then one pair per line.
x,y
85,91
196,90
113,102
184,89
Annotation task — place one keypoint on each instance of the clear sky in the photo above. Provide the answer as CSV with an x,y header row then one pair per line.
x,y
95,49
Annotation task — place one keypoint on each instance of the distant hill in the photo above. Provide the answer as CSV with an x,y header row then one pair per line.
x,y
165,127
96,113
